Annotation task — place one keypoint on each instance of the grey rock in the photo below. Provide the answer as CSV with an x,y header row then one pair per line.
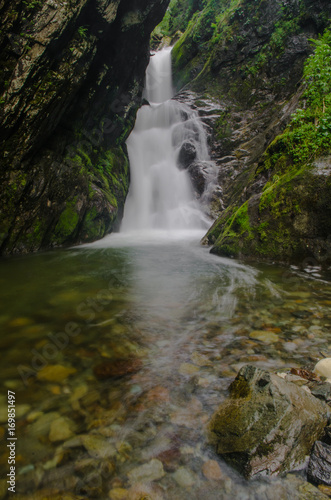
x,y
267,426
319,468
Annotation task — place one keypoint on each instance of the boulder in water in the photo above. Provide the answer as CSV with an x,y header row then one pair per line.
x,y
187,154
268,425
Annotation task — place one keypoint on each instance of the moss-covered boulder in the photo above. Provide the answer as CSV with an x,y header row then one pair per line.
x,y
267,426
290,221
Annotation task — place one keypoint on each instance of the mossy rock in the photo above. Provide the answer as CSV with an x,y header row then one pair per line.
x,y
268,425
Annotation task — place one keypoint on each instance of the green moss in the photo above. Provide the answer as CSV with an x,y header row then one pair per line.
x,y
67,222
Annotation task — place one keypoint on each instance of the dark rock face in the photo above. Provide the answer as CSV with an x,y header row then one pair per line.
x,y
267,426
198,172
250,69
187,154
71,85
319,468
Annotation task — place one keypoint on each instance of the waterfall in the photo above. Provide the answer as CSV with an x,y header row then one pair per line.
x,y
161,195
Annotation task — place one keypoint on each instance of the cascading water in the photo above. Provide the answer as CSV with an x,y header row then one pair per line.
x,y
161,195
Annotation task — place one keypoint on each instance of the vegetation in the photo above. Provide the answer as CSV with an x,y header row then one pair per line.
x,y
309,133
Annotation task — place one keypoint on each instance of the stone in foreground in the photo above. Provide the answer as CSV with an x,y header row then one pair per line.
x,y
319,469
267,426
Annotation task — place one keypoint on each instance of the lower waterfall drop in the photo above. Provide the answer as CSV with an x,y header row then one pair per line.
x,y
161,194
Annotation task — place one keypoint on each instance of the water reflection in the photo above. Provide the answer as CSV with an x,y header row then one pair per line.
x,y
190,319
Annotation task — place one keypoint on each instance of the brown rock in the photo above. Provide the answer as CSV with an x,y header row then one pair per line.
x,y
117,368
211,470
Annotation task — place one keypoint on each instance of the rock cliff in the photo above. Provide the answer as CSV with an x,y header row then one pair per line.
x,y
72,81
243,62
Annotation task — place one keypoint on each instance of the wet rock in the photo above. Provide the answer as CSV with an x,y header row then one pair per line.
x,y
188,369
118,494
61,429
184,477
117,368
55,373
323,368
41,426
211,470
187,154
150,471
268,425
319,468
322,391
140,491
264,336
98,446
198,173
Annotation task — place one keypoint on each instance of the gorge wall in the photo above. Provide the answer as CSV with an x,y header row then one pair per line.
x,y
241,65
71,84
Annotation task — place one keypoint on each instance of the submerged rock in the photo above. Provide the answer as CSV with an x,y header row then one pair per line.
x,y
117,368
267,426
150,471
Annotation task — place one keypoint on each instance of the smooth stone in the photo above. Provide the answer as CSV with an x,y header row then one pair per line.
x,y
323,368
184,477
211,470
42,425
20,322
200,359
61,429
117,368
55,373
13,385
118,494
151,471
33,416
98,446
55,461
264,336
188,369
78,392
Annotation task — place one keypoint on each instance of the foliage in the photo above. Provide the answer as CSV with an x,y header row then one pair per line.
x,y
82,30
309,133
32,4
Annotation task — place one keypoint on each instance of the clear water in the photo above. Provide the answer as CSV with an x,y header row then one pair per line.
x,y
187,316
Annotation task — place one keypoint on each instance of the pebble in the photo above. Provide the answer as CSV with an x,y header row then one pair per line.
x,y
42,425
184,477
98,446
211,470
118,494
117,368
55,373
264,336
20,322
150,471
20,411
200,359
61,429
188,369
323,368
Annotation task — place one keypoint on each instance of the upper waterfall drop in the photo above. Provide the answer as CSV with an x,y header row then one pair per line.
x,y
158,87
161,195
